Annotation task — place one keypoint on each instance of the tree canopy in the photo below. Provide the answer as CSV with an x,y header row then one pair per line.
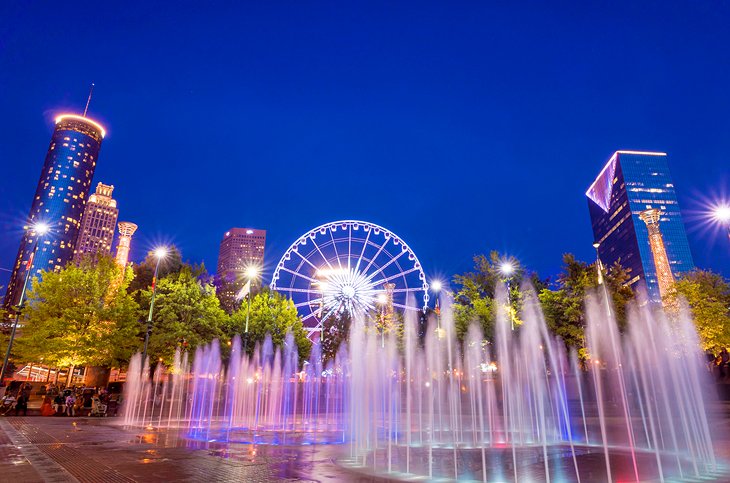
x,y
564,305
708,297
273,314
80,315
475,299
186,309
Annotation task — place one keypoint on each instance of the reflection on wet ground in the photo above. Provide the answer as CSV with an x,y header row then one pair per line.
x,y
56,449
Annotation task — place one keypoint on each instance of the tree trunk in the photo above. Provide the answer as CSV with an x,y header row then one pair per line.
x,y
70,375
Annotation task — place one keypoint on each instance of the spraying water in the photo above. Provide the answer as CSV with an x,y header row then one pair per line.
x,y
520,407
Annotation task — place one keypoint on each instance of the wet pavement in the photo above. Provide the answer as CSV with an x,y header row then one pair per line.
x,y
99,450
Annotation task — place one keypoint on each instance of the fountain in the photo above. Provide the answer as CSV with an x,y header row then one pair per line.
x,y
519,409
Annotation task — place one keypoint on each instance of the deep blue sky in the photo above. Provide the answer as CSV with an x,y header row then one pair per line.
x,y
462,127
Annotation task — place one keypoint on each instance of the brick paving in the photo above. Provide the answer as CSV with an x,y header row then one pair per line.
x,y
38,449
97,450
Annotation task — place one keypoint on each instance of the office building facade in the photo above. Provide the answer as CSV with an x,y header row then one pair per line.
x,y
98,223
239,249
631,183
59,200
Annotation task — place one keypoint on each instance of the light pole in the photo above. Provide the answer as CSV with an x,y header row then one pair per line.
x,y
721,215
436,286
251,273
507,268
39,230
599,269
160,253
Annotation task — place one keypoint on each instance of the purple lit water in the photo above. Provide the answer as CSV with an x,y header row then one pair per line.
x,y
438,409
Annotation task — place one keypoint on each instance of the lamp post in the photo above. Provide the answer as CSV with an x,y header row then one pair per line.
x,y
507,268
436,286
39,229
251,273
160,253
599,269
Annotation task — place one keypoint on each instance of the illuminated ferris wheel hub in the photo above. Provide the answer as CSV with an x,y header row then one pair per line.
x,y
349,266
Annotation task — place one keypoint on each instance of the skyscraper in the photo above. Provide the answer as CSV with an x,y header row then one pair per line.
x,y
630,183
60,198
126,230
239,249
98,223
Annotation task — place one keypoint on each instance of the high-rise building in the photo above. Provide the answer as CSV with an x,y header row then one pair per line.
x,y
60,198
126,230
631,183
98,223
239,249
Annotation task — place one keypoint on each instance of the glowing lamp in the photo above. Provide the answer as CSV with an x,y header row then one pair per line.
x,y
436,285
506,268
252,272
161,252
41,228
721,214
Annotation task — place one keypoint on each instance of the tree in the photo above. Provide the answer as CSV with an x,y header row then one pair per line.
x,y
474,301
143,272
564,307
272,314
708,297
335,331
80,315
186,308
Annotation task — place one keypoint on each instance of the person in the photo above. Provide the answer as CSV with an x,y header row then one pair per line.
x,y
8,401
22,404
78,407
70,404
59,404
724,359
97,408
47,407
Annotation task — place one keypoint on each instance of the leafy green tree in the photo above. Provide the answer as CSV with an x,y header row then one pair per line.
x,y
80,315
564,306
143,272
708,297
273,314
186,308
474,301
335,331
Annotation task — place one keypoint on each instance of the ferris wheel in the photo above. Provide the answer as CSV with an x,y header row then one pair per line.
x,y
352,266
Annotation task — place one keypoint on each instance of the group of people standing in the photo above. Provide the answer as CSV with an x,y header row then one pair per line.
x,y
719,364
74,401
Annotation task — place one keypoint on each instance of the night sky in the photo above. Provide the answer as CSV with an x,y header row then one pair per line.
x,y
462,127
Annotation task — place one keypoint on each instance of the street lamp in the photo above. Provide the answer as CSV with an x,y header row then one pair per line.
x,y
507,268
599,269
159,253
39,230
436,286
251,273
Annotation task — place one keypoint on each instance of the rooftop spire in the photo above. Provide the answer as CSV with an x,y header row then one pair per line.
x,y
91,91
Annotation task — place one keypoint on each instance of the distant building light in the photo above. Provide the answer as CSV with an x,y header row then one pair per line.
x,y
82,118
249,232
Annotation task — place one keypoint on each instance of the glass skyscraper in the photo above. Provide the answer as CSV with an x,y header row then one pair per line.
x,y
59,199
629,184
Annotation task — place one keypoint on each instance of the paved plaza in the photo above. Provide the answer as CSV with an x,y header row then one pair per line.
x,y
35,449
97,450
